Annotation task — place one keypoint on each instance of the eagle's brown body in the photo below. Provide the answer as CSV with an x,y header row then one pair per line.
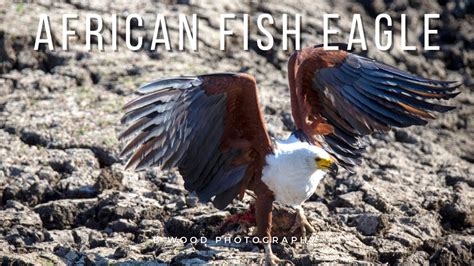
x,y
211,128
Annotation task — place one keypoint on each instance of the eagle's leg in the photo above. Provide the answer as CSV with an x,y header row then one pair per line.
x,y
302,222
263,213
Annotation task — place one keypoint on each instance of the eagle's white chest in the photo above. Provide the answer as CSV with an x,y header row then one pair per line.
x,y
291,172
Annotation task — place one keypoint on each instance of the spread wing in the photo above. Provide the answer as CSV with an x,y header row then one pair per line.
x,y
210,127
339,97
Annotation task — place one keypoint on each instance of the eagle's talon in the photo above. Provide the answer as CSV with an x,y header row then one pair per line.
x,y
272,259
299,224
302,223
309,227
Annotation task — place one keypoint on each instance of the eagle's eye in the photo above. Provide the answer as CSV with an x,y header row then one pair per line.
x,y
318,159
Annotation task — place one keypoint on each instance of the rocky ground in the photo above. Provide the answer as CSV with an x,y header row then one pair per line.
x,y
65,198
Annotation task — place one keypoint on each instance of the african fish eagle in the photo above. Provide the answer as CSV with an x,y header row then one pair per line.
x,y
211,128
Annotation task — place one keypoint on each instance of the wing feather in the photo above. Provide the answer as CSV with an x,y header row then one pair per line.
x,y
197,124
358,96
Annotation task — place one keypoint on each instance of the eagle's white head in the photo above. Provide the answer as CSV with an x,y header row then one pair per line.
x,y
295,169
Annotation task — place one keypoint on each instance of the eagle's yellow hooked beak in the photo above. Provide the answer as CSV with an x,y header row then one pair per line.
x,y
326,164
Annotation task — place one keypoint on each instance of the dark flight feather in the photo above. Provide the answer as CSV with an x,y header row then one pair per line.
x,y
191,123
358,96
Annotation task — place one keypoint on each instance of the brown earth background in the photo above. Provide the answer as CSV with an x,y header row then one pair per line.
x,y
65,198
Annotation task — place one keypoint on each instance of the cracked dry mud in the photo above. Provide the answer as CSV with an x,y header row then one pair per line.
x,y
65,198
